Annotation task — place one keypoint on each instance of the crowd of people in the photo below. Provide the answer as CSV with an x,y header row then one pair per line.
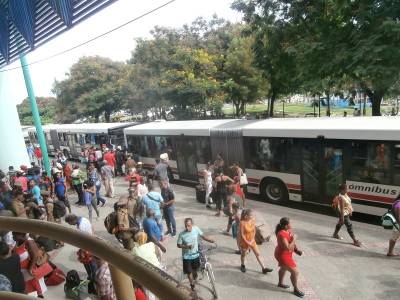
x,y
137,219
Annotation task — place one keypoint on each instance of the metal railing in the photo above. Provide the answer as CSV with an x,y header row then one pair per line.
x,y
158,282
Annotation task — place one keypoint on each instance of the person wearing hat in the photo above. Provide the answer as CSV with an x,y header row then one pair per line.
x,y
107,174
124,232
22,181
142,172
78,178
49,204
18,202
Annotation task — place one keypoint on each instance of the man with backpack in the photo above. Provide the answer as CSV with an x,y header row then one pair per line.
x,y
121,224
396,227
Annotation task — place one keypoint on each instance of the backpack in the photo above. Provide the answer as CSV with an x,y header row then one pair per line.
x,y
46,243
59,209
111,223
74,286
72,279
388,220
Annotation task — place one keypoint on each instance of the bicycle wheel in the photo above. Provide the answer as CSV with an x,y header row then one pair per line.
x,y
211,278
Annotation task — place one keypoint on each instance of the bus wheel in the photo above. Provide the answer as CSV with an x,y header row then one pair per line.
x,y
275,191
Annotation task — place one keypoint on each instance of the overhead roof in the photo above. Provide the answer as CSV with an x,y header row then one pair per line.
x,y
27,24
359,128
191,128
84,127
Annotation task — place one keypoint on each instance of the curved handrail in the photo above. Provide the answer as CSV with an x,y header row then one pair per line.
x,y
158,282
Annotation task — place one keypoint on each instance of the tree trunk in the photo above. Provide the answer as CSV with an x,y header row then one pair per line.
x,y
271,106
242,112
376,99
237,108
328,103
107,116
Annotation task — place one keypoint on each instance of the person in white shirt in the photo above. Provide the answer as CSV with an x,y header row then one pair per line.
x,y
207,174
81,223
84,225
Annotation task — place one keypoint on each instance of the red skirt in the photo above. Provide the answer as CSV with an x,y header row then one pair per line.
x,y
285,258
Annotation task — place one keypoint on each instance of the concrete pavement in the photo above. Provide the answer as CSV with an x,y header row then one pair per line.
x,y
330,269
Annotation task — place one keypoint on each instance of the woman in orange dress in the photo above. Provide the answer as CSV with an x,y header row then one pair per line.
x,y
246,240
286,245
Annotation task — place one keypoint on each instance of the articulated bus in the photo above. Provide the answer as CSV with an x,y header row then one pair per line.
x,y
285,159
186,142
71,138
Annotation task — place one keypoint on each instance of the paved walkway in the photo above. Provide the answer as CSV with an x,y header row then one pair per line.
x,y
330,269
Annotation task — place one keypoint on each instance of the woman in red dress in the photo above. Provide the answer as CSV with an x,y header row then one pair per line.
x,y
284,255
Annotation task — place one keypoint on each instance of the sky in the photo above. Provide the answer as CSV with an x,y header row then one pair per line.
x,y
117,45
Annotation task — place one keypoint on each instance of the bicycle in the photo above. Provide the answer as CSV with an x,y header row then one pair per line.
x,y
205,265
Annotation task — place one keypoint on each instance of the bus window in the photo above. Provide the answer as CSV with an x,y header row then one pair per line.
x,y
370,162
160,145
144,147
203,148
76,138
273,154
163,145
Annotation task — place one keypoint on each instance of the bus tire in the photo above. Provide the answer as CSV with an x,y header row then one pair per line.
x,y
274,190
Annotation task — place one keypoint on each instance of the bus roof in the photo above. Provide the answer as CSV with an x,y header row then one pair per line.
x,y
191,128
84,127
359,128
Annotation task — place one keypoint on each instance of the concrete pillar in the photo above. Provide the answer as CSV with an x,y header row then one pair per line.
x,y
12,145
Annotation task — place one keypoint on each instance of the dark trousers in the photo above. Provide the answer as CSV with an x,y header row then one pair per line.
x,y
98,196
118,170
91,269
348,225
220,198
170,218
79,190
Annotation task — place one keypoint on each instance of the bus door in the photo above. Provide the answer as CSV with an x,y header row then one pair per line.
x,y
332,170
322,170
73,145
54,140
186,158
311,171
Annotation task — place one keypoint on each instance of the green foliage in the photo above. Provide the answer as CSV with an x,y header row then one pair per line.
x,y
244,83
336,44
272,45
92,89
47,110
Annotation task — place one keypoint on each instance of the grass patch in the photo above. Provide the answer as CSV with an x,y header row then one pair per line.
x,y
295,110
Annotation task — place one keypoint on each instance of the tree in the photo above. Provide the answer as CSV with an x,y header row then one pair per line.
x,y
190,82
92,89
244,82
47,110
141,89
271,45
342,42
